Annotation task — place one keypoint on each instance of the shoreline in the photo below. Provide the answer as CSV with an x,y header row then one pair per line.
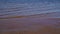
x,y
33,24
36,15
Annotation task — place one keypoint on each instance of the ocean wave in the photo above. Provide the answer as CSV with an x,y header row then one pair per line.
x,y
28,9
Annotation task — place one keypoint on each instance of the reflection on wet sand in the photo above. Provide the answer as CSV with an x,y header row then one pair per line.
x,y
34,24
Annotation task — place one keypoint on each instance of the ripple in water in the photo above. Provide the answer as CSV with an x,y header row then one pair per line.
x,y
25,9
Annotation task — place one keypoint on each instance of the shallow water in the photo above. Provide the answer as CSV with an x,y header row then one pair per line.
x,y
19,9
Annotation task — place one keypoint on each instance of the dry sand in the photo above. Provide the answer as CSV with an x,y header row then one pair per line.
x,y
34,24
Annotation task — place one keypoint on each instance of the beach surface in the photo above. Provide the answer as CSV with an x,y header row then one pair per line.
x,y
48,23
29,16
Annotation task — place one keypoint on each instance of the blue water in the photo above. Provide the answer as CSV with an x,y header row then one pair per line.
x,y
28,7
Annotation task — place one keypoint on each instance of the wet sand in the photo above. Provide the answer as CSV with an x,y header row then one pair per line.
x,y
33,24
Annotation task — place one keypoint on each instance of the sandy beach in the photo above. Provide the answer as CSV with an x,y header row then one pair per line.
x,y
29,16
33,24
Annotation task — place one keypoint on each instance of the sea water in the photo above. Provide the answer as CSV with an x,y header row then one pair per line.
x,y
25,7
